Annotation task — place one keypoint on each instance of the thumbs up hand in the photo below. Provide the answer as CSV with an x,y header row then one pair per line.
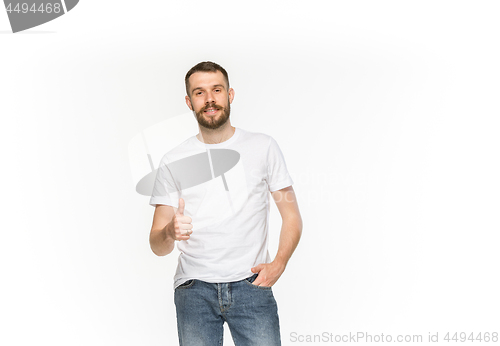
x,y
182,227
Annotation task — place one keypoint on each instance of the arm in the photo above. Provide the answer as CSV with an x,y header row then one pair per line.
x,y
169,226
291,230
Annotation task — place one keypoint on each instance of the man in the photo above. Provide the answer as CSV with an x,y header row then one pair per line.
x,y
211,197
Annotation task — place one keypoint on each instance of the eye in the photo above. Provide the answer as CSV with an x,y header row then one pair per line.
x,y
199,93
217,90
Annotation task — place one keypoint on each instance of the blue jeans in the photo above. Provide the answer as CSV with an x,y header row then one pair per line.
x,y
250,312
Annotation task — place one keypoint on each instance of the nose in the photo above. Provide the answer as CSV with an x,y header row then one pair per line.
x,y
209,98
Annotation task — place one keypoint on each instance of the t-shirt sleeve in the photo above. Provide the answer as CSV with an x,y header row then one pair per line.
x,y
164,189
277,173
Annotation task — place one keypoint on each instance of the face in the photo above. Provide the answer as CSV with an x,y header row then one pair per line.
x,y
209,99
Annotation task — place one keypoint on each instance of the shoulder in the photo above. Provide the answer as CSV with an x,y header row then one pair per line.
x,y
257,138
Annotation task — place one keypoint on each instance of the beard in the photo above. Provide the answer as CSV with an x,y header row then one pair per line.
x,y
213,123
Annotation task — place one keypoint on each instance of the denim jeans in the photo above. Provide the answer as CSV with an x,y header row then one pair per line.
x,y
249,310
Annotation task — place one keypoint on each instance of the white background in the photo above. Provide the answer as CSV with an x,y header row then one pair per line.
x,y
386,112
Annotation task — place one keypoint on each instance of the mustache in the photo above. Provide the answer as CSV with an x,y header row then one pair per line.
x,y
213,105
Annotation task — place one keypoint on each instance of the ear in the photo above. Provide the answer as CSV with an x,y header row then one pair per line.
x,y
231,95
188,102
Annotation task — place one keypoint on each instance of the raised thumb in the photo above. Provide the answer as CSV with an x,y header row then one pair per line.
x,y
180,210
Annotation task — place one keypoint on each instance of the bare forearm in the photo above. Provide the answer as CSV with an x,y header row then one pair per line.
x,y
161,242
169,226
291,230
269,273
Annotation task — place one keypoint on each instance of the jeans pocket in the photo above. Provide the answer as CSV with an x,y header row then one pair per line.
x,y
186,284
251,279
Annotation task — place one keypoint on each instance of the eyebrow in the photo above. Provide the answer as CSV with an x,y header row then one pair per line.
x,y
214,86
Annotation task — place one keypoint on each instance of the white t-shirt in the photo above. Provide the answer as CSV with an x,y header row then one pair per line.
x,y
225,187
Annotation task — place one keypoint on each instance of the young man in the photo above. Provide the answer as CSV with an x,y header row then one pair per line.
x,y
212,197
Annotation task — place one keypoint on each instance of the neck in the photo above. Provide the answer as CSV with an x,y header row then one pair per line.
x,y
222,134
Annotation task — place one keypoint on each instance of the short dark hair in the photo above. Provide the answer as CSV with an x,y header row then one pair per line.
x,y
205,66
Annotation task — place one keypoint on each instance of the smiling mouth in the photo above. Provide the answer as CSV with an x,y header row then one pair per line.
x,y
211,110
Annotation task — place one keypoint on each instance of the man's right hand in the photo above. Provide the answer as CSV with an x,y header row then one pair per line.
x,y
180,228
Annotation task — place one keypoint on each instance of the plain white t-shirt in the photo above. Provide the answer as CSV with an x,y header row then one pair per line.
x,y
229,211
